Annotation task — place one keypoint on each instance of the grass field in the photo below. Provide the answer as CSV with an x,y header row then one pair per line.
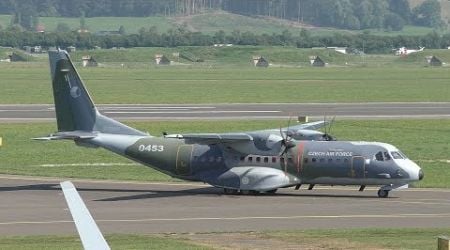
x,y
383,238
207,23
350,239
115,241
424,141
225,79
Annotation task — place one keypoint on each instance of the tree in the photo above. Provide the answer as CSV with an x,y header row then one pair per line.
x,y
428,14
122,30
401,8
394,22
62,27
83,25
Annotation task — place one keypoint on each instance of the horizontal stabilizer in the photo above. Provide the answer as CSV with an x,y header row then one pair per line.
x,y
70,135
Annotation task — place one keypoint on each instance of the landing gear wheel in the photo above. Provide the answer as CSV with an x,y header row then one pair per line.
x,y
249,192
229,191
383,193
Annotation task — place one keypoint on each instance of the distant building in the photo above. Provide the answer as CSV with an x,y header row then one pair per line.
x,y
316,61
89,61
433,61
40,28
33,49
259,61
161,60
15,57
71,49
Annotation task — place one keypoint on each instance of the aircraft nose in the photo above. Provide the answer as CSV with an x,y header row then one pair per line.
x,y
421,175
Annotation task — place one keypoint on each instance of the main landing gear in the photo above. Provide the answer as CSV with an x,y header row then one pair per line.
x,y
230,191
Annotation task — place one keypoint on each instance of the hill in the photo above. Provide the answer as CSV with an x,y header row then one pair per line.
x,y
208,23
445,6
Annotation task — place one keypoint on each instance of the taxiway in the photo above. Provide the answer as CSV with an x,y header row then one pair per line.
x,y
45,112
32,206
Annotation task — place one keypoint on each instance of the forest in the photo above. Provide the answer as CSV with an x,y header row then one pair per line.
x,y
348,14
358,43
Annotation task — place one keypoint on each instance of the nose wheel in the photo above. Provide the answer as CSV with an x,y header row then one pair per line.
x,y
382,193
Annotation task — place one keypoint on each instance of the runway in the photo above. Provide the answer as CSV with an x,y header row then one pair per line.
x,y
45,112
36,206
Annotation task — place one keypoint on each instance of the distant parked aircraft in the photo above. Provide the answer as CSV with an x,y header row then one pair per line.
x,y
405,51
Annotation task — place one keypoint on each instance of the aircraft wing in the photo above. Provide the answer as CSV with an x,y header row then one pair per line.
x,y
213,138
90,235
70,135
309,125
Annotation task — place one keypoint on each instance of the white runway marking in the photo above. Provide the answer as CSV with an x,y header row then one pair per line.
x,y
99,164
194,112
367,216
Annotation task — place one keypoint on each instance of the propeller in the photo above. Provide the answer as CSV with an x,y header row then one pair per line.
x,y
286,143
327,134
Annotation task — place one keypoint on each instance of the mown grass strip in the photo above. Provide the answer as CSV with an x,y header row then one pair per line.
x,y
425,141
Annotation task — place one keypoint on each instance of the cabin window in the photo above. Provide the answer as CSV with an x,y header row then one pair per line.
x,y
338,160
250,159
258,159
274,159
379,156
242,158
305,160
345,160
313,160
266,159
387,157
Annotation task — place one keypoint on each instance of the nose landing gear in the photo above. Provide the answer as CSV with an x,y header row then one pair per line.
x,y
382,193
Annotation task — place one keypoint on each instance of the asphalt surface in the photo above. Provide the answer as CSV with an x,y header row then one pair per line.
x,y
36,206
45,112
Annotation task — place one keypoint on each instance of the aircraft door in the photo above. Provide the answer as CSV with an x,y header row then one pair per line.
x,y
358,167
184,156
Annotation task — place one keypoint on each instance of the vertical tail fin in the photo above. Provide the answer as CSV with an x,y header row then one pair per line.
x,y
75,110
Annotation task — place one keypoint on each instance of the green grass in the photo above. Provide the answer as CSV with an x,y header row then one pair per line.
x,y
419,57
208,23
225,82
116,241
95,24
425,141
384,238
408,30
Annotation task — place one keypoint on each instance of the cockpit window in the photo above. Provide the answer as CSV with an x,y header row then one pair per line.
x,y
383,156
397,155
379,156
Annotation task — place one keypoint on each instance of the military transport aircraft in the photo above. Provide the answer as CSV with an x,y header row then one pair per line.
x,y
245,162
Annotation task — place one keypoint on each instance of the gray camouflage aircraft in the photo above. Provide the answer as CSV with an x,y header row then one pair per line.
x,y
244,162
